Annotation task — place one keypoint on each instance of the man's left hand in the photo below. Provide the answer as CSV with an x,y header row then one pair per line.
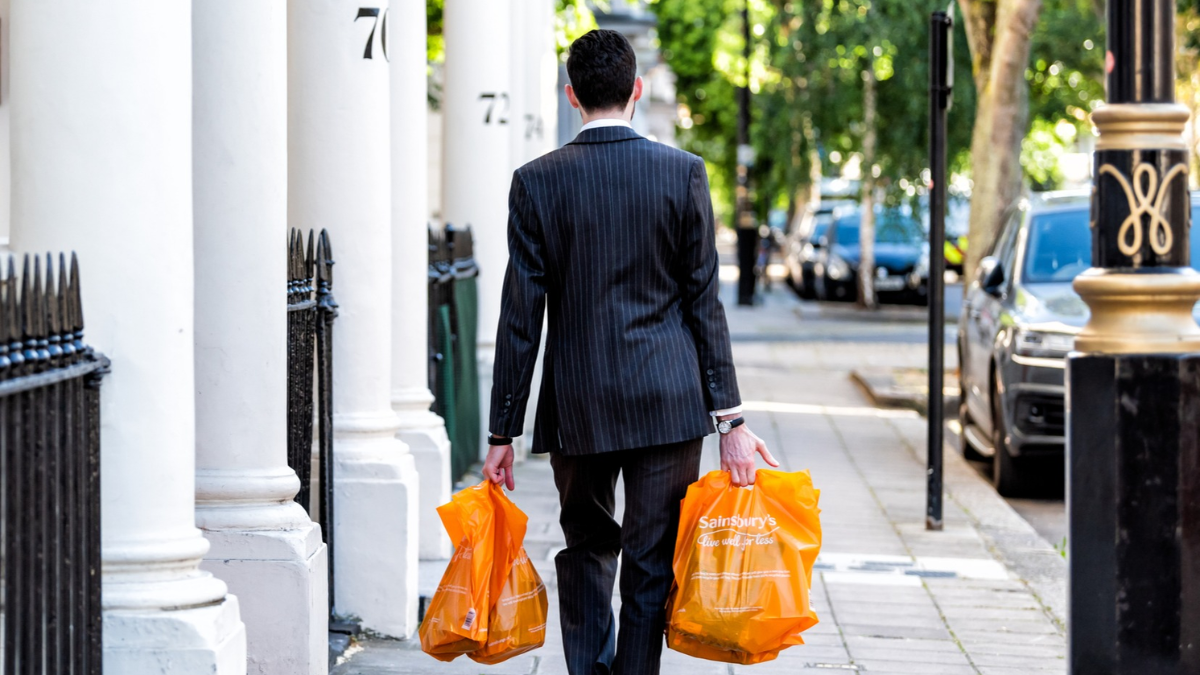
x,y
738,449
498,467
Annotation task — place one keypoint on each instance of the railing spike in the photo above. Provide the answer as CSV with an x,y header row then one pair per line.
x,y
298,262
76,301
53,322
12,308
35,309
292,255
10,303
25,306
6,322
325,258
65,325
310,260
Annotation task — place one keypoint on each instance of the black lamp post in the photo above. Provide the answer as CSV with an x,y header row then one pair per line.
x,y
941,84
1133,384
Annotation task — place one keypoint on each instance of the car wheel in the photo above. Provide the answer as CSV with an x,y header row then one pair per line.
x,y
1005,468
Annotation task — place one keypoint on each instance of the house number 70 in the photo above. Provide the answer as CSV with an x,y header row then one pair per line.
x,y
380,26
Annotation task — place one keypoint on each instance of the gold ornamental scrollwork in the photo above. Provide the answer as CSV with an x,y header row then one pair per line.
x,y
1145,196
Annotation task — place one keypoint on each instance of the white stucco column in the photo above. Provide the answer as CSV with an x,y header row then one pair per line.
x,y
476,167
264,545
422,430
546,44
535,63
521,81
537,60
340,178
102,164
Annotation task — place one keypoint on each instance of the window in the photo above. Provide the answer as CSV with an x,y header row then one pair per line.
x,y
1060,246
845,231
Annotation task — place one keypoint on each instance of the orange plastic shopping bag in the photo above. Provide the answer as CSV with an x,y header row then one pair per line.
x,y
491,603
743,567
456,621
517,616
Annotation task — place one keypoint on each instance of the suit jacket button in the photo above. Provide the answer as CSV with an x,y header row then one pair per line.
x,y
507,403
710,371
712,385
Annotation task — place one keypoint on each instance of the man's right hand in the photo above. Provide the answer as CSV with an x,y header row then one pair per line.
x,y
498,467
738,448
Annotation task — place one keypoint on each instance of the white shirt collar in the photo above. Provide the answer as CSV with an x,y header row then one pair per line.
x,y
606,122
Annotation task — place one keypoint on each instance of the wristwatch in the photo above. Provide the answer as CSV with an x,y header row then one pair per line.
x,y
726,426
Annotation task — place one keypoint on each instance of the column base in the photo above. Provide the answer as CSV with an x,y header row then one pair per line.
x,y
376,493
425,435
281,577
200,641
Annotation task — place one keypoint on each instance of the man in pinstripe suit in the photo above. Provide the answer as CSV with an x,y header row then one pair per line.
x,y
615,233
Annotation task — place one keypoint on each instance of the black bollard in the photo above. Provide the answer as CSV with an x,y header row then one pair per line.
x,y
747,253
1133,383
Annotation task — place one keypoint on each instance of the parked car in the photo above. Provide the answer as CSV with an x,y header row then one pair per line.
x,y
1019,320
958,211
901,258
801,246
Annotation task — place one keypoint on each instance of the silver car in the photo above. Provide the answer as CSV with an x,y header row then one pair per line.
x,y
1019,320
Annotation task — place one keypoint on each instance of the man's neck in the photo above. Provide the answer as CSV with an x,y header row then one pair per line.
x,y
622,115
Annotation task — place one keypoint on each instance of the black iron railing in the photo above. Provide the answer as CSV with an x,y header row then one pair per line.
x,y
49,474
311,312
453,338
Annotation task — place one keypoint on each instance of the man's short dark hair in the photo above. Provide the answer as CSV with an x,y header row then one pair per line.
x,y
602,68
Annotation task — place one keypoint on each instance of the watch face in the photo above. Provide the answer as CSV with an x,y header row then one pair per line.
x,y
724,427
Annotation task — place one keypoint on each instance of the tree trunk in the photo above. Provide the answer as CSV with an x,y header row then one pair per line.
x,y
866,230
999,34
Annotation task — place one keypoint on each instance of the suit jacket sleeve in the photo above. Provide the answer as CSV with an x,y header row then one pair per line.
x,y
696,271
522,308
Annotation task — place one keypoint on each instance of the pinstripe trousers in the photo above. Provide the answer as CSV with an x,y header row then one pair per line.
x,y
656,479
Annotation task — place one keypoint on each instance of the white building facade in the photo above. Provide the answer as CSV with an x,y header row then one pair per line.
x,y
172,150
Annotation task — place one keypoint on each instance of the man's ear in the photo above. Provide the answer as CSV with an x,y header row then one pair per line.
x,y
571,97
637,89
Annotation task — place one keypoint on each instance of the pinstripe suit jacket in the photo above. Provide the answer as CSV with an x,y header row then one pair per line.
x,y
614,233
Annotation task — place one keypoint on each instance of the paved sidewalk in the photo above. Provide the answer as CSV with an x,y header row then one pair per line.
x,y
985,596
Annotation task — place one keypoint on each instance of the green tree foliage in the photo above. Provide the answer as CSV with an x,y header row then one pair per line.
x,y
1066,82
806,76
1188,74
806,73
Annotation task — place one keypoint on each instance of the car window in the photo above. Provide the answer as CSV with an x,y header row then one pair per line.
x,y
1007,241
1059,247
821,225
895,228
845,231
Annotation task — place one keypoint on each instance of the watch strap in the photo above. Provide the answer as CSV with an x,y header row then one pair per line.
x,y
732,424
